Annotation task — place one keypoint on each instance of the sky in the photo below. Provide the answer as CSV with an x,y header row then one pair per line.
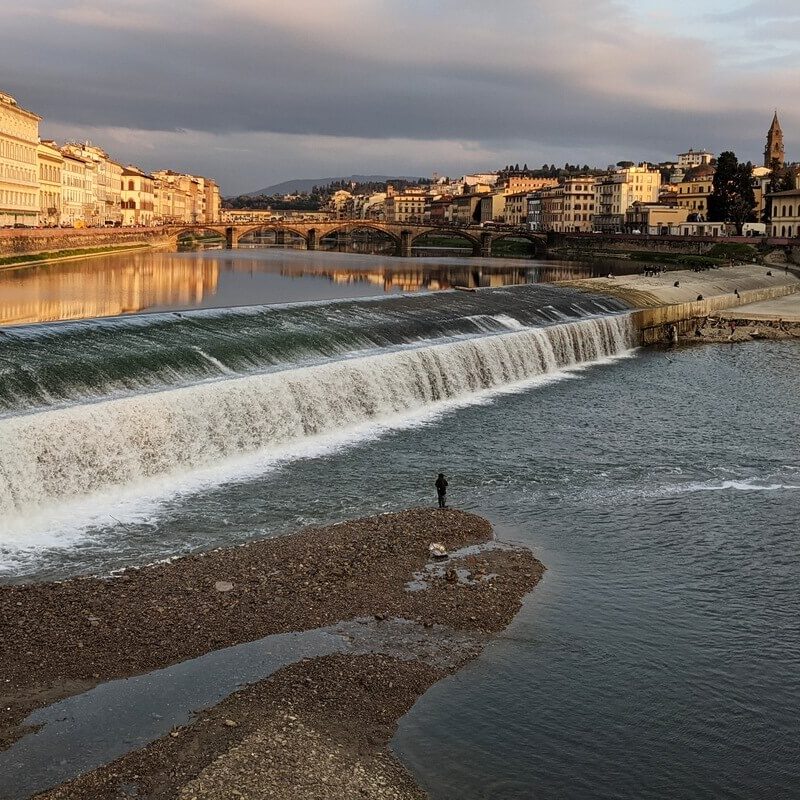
x,y
253,92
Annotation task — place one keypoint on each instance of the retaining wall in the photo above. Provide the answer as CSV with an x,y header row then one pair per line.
x,y
14,242
650,322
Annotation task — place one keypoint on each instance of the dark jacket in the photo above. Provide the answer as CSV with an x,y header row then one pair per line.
x,y
441,484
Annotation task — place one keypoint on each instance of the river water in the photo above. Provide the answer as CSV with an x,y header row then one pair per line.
x,y
105,286
658,657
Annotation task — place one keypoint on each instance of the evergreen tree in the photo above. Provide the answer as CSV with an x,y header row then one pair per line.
x,y
732,198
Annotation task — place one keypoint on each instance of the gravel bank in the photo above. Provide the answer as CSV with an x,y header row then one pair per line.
x,y
65,637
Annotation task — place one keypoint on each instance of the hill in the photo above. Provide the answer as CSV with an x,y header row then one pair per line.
x,y
307,184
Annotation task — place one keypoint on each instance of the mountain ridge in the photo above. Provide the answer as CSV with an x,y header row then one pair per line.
x,y
307,184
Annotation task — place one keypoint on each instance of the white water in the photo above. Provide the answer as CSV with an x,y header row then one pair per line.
x,y
68,461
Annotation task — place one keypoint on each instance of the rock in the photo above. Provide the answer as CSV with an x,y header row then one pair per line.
x,y
451,576
437,550
223,586
229,723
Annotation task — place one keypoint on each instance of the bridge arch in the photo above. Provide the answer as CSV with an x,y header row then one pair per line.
x,y
538,241
351,225
447,233
179,233
266,226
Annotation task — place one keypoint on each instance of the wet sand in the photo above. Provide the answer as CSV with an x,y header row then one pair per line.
x,y
318,728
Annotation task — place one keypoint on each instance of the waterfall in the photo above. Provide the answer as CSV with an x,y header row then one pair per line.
x,y
56,455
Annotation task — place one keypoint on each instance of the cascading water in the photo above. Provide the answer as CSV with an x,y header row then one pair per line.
x,y
77,362
58,455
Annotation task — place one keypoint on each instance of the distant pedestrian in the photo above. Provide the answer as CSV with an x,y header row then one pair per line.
x,y
441,490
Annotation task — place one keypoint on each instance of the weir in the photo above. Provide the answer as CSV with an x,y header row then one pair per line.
x,y
55,456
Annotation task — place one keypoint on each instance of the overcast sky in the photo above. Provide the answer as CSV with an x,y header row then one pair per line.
x,y
253,92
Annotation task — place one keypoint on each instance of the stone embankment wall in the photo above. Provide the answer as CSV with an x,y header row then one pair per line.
x,y
15,242
651,322
597,244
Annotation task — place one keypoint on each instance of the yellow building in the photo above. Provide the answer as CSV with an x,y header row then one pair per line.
x,y
654,219
785,218
493,207
694,189
615,192
552,209
137,197
212,200
520,183
73,191
50,165
19,184
516,212
412,205
578,205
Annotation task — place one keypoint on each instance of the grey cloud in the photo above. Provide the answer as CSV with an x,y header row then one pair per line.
x,y
237,72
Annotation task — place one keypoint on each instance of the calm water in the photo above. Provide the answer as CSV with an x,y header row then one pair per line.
x,y
659,656
128,284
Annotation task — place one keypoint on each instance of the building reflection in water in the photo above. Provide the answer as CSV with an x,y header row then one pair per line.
x,y
103,287
130,283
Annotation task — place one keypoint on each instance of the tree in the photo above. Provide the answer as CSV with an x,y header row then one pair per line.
x,y
625,164
732,198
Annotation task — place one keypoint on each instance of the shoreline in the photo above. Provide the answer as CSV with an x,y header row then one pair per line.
x,y
15,262
76,634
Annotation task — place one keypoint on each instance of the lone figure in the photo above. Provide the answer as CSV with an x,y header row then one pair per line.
x,y
441,490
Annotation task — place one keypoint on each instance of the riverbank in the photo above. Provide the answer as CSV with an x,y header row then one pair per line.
x,y
36,259
338,711
685,286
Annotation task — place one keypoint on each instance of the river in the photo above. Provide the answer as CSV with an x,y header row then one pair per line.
x,y
112,285
657,658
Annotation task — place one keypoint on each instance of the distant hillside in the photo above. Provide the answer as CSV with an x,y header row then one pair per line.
x,y
307,184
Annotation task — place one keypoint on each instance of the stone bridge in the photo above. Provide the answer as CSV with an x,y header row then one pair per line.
x,y
404,235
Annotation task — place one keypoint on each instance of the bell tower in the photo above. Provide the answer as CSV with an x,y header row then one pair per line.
x,y
774,148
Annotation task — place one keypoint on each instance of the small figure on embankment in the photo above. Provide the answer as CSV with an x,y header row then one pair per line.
x,y
441,490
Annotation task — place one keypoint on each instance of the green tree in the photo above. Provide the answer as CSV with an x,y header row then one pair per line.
x,y
732,198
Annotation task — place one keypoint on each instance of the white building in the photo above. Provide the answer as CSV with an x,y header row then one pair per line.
x,y
694,158
19,185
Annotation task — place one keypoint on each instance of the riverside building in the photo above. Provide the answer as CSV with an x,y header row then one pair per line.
x,y
19,183
137,197
785,217
50,166
74,195
617,191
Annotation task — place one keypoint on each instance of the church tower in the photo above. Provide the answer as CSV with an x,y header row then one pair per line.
x,y
774,148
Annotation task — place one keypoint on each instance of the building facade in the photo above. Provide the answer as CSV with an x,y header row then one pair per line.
x,y
616,192
578,205
785,216
137,197
693,191
492,208
74,195
411,205
516,211
19,181
694,158
521,183
50,165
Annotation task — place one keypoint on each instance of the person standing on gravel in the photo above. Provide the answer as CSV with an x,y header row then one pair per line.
x,y
441,490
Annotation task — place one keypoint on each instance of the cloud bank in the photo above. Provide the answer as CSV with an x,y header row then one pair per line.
x,y
254,92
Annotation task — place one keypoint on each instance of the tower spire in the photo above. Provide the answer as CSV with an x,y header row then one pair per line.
x,y
774,150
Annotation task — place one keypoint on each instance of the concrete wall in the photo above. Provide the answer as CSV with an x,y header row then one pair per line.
x,y
651,321
47,240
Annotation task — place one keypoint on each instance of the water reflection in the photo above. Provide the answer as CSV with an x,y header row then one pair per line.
x,y
156,281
